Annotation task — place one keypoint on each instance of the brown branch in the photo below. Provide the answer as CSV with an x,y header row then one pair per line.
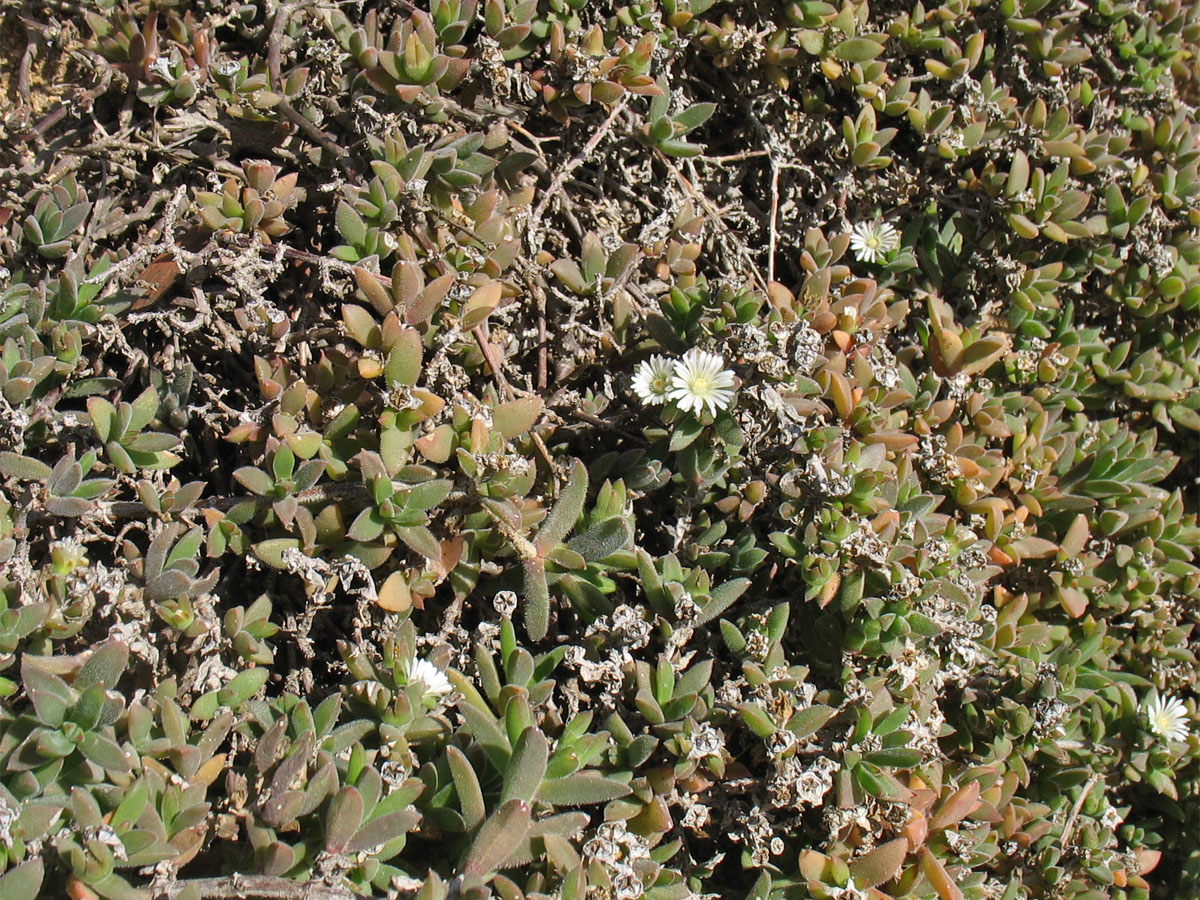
x,y
54,116
485,347
543,364
465,229
773,235
1069,827
734,157
536,239
715,214
26,59
316,135
605,423
135,509
311,131
565,172
261,887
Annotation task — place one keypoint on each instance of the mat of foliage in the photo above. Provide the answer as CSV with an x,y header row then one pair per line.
x,y
574,449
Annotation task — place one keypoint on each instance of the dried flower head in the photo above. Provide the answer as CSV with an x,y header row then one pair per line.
x,y
872,241
8,818
701,380
706,741
505,603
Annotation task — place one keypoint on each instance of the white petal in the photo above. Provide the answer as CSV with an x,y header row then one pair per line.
x,y
433,678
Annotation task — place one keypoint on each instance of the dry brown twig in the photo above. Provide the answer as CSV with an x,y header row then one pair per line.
x,y
23,70
135,509
536,238
734,157
260,887
1069,826
773,235
315,134
535,219
714,214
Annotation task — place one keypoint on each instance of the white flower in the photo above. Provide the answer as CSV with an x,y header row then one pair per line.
x,y
700,381
652,381
1168,717
872,241
434,679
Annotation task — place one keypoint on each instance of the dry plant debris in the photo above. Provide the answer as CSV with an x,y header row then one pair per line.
x,y
579,449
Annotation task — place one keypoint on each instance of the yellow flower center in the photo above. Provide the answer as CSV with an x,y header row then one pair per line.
x,y
700,385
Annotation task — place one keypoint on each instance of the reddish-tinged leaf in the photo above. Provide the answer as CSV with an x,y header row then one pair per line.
x,y
938,877
498,837
481,303
345,817
437,445
394,595
1073,601
374,291
157,278
423,308
1076,537
881,864
1148,860
957,807
812,864
515,417
1032,547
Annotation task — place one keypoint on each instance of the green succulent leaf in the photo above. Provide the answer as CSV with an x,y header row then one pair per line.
x,y
526,767
499,836
343,819
466,785
562,518
24,881
581,789
537,599
13,465
104,666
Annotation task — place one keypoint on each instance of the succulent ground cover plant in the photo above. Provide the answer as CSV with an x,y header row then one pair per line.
x,y
575,449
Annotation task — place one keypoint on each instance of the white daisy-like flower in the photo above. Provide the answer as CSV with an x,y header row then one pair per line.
x,y
1168,717
434,679
701,380
872,241
652,380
